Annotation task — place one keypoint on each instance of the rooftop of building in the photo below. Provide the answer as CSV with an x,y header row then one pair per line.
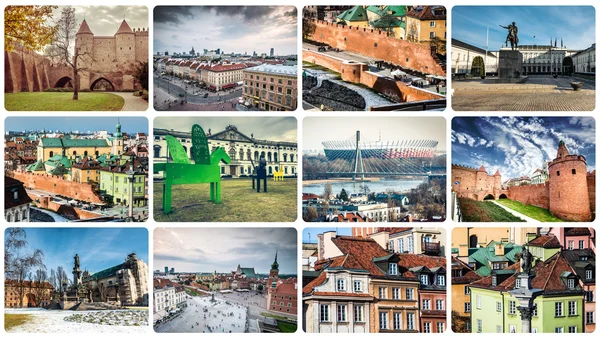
x,y
275,69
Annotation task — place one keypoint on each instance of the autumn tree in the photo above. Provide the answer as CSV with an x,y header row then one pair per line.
x,y
64,48
412,32
308,28
310,214
28,26
141,74
327,191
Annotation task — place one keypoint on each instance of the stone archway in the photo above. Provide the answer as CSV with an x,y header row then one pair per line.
x,y
102,84
64,82
568,66
29,300
502,196
489,197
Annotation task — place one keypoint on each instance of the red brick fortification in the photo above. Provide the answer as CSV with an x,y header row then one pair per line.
x,y
568,187
591,183
66,210
59,186
474,184
536,195
376,43
357,72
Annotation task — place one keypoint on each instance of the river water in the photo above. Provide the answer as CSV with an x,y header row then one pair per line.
x,y
377,186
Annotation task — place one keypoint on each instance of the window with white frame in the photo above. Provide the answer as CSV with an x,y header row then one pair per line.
x,y
410,244
571,283
426,305
559,329
439,304
467,306
573,329
358,286
479,325
393,268
581,244
341,284
440,327
409,293
441,280
401,245
410,321
397,321
589,274
342,314
518,283
467,290
571,244
512,307
478,298
424,279
431,24
589,317
324,313
359,313
382,292
558,309
427,327
383,321
498,328
396,293
498,306
572,308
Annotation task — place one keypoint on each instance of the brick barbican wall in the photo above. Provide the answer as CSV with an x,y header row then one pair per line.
x,y
536,195
406,54
57,185
65,210
395,89
591,183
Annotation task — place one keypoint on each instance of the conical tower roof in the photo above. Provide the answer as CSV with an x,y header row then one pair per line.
x,y
482,169
124,28
562,150
84,28
497,173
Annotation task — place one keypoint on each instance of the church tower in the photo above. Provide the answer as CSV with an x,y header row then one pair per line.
x,y
117,143
273,274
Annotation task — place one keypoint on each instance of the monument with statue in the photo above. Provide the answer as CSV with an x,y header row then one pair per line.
x,y
510,60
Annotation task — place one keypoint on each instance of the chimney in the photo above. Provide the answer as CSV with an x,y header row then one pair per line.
x,y
499,249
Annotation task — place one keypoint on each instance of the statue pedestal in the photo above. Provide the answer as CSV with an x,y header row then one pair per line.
x,y
510,67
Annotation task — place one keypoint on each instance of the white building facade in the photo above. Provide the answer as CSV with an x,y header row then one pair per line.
x,y
462,55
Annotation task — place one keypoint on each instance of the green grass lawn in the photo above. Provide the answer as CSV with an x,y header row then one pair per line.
x,y
62,101
484,211
191,292
537,213
287,327
14,320
239,202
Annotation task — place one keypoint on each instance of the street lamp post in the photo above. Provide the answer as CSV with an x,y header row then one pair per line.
x,y
131,178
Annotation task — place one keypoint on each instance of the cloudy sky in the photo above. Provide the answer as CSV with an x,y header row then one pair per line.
x,y
81,124
239,29
319,129
105,20
518,145
222,249
309,235
266,128
98,248
575,24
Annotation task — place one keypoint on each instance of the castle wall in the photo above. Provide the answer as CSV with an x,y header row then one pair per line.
x,y
65,210
26,71
57,185
376,44
591,184
536,195
568,189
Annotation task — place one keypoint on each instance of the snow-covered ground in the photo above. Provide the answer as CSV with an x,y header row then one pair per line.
x,y
66,321
202,315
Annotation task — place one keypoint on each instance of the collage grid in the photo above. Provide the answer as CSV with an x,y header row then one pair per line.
x,y
368,264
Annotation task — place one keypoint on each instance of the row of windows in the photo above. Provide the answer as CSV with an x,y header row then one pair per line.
x,y
396,293
271,79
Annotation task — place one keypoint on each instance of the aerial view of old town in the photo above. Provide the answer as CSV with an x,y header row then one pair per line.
x,y
225,280
523,169
523,280
374,279
383,169
76,58
239,58
229,169
373,58
76,280
523,58
59,169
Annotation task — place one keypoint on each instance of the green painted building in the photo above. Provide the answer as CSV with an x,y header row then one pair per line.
x,y
114,183
559,307
495,256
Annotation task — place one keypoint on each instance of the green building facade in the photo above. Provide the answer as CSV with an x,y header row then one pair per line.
x,y
116,185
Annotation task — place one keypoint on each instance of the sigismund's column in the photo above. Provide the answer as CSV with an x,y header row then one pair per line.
x,y
524,292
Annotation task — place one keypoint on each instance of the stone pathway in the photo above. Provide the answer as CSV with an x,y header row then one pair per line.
x,y
515,213
132,103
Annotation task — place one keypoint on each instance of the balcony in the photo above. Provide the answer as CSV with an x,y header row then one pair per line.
x,y
430,248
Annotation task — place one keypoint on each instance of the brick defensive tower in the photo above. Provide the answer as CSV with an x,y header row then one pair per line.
x,y
568,187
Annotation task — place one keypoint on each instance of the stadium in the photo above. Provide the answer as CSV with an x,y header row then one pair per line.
x,y
382,150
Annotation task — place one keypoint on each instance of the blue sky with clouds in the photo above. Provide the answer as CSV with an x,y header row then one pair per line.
x,y
518,145
98,248
574,24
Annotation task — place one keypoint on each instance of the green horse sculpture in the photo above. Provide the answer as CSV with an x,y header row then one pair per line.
x,y
181,171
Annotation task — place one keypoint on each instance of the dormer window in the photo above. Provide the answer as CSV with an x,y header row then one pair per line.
x,y
393,269
518,283
16,195
441,280
424,279
341,285
589,274
494,280
570,283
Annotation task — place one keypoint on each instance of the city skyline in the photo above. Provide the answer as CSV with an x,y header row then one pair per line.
x,y
536,24
223,249
317,130
179,28
309,235
81,124
517,146
98,248
267,128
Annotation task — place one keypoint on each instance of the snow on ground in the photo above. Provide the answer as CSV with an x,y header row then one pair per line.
x,y
57,321
202,315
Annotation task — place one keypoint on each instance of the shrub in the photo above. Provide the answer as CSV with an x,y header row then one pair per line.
x,y
478,67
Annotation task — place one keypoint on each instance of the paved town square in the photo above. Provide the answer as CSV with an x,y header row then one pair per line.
x,y
539,93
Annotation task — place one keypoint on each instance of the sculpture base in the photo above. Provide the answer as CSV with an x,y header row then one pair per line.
x,y
510,65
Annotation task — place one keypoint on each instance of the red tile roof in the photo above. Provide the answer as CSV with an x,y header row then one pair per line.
x,y
10,185
427,13
546,241
469,275
577,231
227,67
329,293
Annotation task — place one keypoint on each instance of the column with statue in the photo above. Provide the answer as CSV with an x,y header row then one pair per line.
x,y
524,292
